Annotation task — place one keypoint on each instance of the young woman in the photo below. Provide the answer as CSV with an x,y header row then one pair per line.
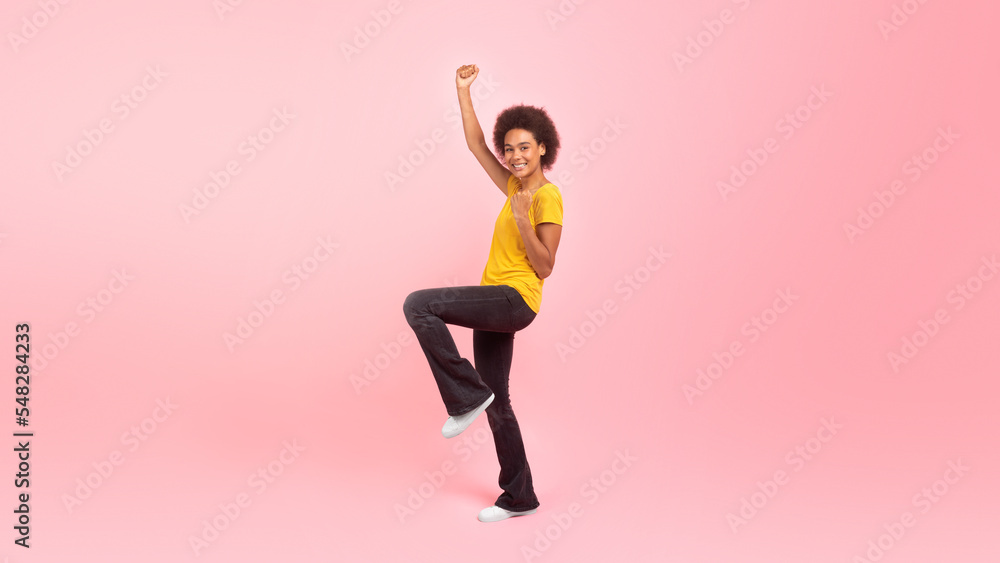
x,y
522,254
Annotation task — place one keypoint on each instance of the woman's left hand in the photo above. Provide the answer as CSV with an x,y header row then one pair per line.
x,y
520,203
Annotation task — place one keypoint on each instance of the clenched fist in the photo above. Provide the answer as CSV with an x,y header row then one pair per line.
x,y
465,75
520,203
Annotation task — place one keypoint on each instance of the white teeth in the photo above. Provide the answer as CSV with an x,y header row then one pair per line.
x,y
519,166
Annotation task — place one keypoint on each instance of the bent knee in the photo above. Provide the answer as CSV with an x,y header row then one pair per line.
x,y
413,304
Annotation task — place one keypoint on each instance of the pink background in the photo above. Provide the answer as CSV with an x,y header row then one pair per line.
x,y
606,370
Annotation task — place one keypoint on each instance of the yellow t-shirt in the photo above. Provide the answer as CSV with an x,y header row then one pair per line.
x,y
508,260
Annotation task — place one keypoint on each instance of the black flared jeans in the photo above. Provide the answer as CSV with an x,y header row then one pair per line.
x,y
494,313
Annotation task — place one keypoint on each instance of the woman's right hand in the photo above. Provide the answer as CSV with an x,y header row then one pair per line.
x,y
465,75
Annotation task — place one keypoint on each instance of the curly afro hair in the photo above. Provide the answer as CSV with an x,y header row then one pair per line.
x,y
534,120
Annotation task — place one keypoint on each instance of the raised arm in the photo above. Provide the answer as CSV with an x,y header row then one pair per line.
x,y
474,137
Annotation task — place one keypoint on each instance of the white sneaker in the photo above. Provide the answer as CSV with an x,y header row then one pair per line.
x,y
455,425
495,514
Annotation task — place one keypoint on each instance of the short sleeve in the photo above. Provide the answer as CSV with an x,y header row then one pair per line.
x,y
511,184
547,206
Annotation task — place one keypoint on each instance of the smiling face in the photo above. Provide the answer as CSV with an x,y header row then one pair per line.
x,y
522,153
